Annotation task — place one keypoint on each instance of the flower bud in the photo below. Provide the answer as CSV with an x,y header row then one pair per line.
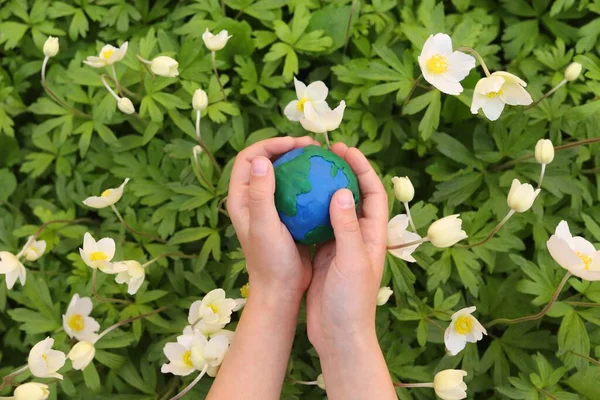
x,y
448,384
32,391
446,232
215,42
51,46
384,295
200,100
544,151
321,381
125,105
521,196
572,72
165,66
81,355
404,189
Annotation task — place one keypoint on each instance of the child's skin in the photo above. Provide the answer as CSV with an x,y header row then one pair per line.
x,y
341,283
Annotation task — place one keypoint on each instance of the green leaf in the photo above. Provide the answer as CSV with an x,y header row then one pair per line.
x,y
190,235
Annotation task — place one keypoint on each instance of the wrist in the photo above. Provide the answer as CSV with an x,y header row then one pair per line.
x,y
273,300
350,344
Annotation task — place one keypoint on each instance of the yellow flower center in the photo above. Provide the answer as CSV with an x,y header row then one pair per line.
x,y
587,260
106,193
187,359
98,256
107,53
76,322
214,308
437,64
32,248
45,358
245,290
492,95
463,325
300,105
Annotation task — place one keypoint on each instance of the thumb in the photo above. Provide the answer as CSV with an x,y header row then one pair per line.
x,y
261,198
349,241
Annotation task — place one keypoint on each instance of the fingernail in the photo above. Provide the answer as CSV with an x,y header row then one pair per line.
x,y
259,167
345,200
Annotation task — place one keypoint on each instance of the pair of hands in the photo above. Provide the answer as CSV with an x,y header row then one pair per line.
x,y
343,278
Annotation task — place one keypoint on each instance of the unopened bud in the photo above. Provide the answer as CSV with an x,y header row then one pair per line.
x,y
51,46
446,232
200,100
572,72
544,151
125,105
403,188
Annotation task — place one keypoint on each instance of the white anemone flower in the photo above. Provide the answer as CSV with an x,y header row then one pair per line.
x,y
107,198
108,56
12,268
179,354
132,273
98,254
31,391
33,249
493,92
44,362
324,121
81,355
211,355
384,295
397,234
77,322
443,67
214,308
463,328
215,42
574,253
165,66
315,94
449,385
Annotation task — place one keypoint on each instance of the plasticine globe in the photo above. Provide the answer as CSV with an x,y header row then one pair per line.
x,y
306,179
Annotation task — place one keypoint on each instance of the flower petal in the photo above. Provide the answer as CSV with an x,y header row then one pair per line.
x,y
291,111
563,254
437,44
511,78
459,66
300,89
581,245
316,91
107,246
96,202
493,108
442,84
515,95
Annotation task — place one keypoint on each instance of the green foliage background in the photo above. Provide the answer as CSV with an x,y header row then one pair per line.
x,y
51,159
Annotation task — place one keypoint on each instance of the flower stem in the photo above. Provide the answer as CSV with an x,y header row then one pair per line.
x,y
104,299
582,304
125,90
554,89
130,229
478,57
327,143
117,85
127,321
539,315
112,92
590,359
203,146
543,171
198,116
34,237
438,326
403,245
214,64
411,91
412,224
556,148
145,63
181,255
308,383
347,38
191,385
55,97
414,385
490,235
8,378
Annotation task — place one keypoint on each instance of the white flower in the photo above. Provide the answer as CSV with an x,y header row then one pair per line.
x,y
165,66
180,354
33,249
12,268
215,42
384,295
544,151
572,72
521,196
108,56
403,188
107,198
209,330
211,354
32,391
200,100
132,273
81,355
397,234
325,121
321,381
315,94
125,105
463,328
214,308
448,384
442,67
51,46
574,254
446,232
77,322
98,254
493,92
44,362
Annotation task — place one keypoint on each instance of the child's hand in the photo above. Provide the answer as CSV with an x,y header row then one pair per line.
x,y
275,263
347,272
